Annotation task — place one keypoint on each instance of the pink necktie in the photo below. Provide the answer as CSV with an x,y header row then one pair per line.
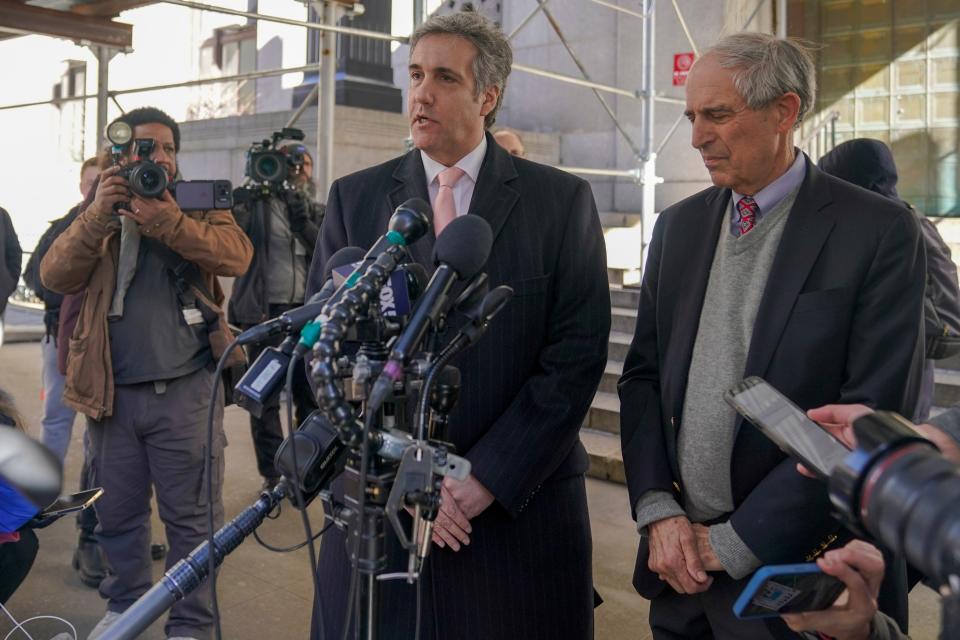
x,y
444,210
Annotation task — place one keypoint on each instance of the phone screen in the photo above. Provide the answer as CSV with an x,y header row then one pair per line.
x,y
788,426
74,502
787,589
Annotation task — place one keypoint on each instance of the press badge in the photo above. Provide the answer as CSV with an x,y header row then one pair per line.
x,y
192,316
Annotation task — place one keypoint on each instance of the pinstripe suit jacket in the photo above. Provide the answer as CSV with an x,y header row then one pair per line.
x,y
525,391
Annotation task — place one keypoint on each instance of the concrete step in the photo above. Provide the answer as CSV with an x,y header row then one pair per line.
x,y
606,459
952,363
624,277
626,297
946,390
619,345
608,383
604,413
624,319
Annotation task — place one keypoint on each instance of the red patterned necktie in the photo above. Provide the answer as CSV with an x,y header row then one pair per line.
x,y
748,209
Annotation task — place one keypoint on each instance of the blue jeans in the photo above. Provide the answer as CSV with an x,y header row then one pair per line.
x,y
58,418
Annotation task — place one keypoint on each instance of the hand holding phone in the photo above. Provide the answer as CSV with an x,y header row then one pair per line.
x,y
787,588
859,565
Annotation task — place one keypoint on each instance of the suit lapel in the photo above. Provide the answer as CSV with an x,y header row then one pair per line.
x,y
690,272
411,183
807,228
493,199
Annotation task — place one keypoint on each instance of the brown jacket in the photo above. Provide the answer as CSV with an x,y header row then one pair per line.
x,y
85,256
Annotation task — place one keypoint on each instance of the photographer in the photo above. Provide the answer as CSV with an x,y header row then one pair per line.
x,y
860,565
141,360
282,221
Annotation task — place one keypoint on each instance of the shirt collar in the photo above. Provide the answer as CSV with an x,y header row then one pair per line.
x,y
771,195
470,163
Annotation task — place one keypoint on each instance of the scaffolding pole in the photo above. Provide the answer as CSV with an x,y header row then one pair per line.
x,y
250,75
328,98
583,70
526,21
646,175
648,159
104,54
781,18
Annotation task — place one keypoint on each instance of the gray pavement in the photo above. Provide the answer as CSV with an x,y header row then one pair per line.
x,y
267,595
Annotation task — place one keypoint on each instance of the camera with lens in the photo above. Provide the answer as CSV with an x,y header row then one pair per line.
x,y
147,179
897,488
269,165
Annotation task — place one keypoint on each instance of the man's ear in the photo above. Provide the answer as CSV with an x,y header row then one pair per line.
x,y
788,111
489,100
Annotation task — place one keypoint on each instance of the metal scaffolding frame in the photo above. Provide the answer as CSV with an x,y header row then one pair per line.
x,y
330,11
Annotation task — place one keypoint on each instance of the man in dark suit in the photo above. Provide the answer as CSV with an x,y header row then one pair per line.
x,y
512,556
778,271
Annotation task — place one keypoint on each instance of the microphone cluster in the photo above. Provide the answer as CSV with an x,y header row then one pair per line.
x,y
372,330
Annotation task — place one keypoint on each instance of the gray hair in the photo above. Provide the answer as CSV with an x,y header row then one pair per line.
x,y
494,58
766,67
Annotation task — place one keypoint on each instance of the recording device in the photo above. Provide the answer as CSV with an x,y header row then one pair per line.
x,y
267,164
263,379
787,588
147,179
71,503
897,489
319,457
788,426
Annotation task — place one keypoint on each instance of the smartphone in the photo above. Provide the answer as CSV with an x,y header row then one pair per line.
x,y
71,503
788,426
203,195
787,588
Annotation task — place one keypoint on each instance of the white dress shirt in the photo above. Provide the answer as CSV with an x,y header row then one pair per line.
x,y
463,190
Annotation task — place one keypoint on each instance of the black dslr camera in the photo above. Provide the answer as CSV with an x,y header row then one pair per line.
x,y
147,179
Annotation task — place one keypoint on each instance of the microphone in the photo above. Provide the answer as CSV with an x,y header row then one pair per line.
x,y
398,294
262,380
409,222
294,319
460,253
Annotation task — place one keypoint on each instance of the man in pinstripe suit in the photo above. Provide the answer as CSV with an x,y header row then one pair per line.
x,y
512,556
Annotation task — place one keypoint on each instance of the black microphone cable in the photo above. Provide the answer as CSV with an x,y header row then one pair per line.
x,y
298,497
208,476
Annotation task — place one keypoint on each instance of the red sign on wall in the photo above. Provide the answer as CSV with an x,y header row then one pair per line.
x,y
681,67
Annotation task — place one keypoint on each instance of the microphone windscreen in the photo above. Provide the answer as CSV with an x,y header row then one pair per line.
x,y
449,376
411,219
347,255
464,245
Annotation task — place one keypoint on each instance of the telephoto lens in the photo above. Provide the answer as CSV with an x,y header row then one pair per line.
x,y
896,488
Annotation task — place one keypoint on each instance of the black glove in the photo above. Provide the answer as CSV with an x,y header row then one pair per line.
x,y
296,211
